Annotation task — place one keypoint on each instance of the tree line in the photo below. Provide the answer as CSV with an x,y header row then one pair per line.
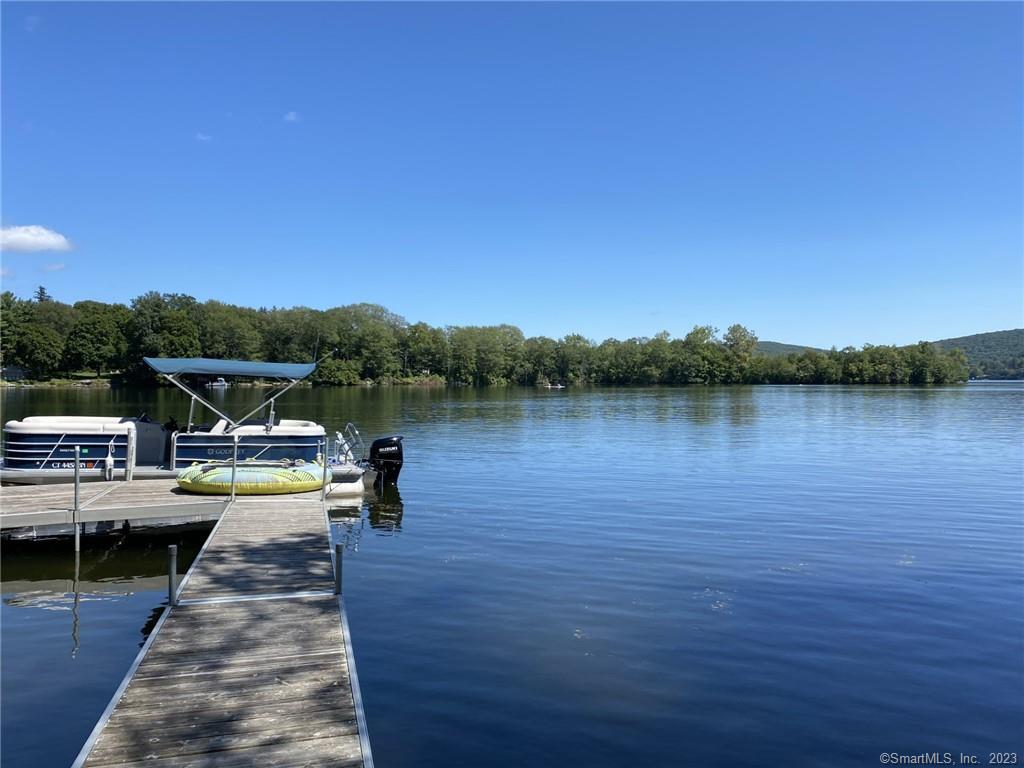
x,y
49,338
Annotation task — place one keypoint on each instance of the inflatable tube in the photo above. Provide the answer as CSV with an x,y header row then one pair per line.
x,y
252,478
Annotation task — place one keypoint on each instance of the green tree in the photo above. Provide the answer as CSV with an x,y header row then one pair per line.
x,y
40,350
144,330
462,364
657,360
373,343
688,365
379,351
179,335
228,332
55,315
96,340
741,345
701,359
573,359
15,315
424,350
281,330
336,373
162,325
540,358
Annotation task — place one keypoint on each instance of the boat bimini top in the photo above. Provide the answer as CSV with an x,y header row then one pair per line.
x,y
287,374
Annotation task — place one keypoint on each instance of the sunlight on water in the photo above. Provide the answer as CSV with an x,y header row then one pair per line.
x,y
748,576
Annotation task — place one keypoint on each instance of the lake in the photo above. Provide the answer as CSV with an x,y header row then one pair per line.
x,y
745,576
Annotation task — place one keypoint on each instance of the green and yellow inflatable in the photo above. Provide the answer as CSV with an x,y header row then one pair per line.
x,y
253,478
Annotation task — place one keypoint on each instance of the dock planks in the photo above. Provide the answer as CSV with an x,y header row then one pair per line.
x,y
264,548
254,666
38,505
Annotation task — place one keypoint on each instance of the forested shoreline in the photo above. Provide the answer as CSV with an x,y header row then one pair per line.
x,y
49,339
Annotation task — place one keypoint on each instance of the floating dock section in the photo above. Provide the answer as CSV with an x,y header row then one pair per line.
x,y
253,666
37,506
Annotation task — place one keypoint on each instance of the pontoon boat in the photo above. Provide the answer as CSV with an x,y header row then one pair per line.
x,y
41,449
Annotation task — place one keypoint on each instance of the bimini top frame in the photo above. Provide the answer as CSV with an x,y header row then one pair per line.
x,y
289,374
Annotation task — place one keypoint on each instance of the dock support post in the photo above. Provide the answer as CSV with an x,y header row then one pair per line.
x,y
327,470
234,466
172,574
78,479
338,549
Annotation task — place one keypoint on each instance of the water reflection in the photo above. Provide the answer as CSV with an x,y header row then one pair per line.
x,y
742,408
78,601
151,620
385,510
345,509
48,575
797,541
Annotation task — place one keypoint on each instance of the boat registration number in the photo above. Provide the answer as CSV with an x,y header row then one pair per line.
x,y
71,464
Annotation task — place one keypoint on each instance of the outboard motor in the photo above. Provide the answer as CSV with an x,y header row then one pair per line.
x,y
386,459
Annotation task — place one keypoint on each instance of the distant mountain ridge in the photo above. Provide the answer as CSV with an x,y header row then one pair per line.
x,y
993,355
776,348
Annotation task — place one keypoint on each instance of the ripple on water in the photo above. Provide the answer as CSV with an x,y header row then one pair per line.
x,y
745,577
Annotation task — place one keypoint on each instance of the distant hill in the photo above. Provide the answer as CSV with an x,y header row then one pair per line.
x,y
995,355
777,349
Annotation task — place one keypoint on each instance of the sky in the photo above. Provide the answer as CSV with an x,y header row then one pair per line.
x,y
825,174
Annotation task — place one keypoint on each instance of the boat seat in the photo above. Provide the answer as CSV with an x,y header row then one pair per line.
x,y
79,425
219,428
286,427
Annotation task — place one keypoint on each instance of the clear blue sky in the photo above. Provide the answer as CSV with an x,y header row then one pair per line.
x,y
822,173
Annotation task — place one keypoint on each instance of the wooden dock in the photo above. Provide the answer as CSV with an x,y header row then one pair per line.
x,y
42,505
254,665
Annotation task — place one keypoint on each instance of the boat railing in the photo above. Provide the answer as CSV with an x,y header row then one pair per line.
x,y
33,451
248,442
348,445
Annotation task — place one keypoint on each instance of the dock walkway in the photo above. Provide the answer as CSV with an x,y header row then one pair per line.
x,y
254,666
41,505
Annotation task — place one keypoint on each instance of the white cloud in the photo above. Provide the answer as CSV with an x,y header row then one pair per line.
x,y
32,238
54,267
5,272
292,117
203,137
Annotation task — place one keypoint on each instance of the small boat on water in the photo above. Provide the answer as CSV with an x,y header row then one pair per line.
x,y
41,449
218,383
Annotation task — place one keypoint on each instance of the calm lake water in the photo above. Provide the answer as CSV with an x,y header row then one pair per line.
x,y
796,576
